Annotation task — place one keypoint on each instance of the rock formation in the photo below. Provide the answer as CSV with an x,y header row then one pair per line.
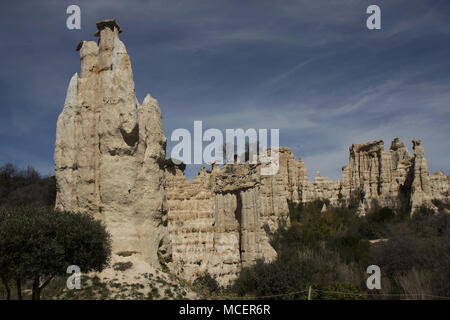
x,y
373,176
109,149
109,162
221,220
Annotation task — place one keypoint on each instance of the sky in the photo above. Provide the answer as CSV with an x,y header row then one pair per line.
x,y
312,69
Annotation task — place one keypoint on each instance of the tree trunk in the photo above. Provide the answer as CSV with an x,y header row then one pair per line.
x,y
19,288
46,282
36,289
8,290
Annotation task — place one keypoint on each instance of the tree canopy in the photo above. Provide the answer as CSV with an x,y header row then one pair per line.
x,y
38,244
25,187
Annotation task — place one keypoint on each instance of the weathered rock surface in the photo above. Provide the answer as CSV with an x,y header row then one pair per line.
x,y
109,149
220,221
373,176
109,162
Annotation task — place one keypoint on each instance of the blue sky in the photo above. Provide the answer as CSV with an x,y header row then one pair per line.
x,y
310,68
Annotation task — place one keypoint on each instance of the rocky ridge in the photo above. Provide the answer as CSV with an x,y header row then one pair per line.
x,y
109,162
221,220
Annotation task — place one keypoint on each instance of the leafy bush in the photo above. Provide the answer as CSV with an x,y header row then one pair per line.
x,y
423,211
38,244
288,276
330,251
441,205
382,215
374,225
122,266
206,283
337,291
25,187
312,251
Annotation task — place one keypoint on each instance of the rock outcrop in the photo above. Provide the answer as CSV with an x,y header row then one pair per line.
x,y
221,220
109,162
109,149
392,179
372,177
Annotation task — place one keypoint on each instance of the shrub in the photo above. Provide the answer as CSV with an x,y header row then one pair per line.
x,y
375,224
122,266
382,215
289,276
39,244
207,283
441,205
306,256
423,211
25,187
330,251
337,291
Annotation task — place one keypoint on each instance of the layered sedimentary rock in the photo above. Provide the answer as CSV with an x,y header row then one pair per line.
x,y
420,186
109,149
393,179
373,176
221,220
109,162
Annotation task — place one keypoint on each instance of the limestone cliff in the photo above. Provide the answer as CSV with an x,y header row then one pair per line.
x,y
221,220
109,149
109,162
373,176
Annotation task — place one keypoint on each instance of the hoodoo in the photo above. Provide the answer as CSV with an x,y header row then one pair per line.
x,y
109,149
109,162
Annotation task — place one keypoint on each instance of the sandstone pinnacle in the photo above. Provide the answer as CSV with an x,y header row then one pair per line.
x,y
109,148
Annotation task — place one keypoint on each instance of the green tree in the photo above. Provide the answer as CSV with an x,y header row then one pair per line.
x,y
37,244
25,187
206,283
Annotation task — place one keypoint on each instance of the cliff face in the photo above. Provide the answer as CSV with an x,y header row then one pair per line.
x,y
373,176
220,221
109,149
376,175
109,155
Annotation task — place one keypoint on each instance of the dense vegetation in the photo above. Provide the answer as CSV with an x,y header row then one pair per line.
x,y
325,250
38,243
25,187
331,250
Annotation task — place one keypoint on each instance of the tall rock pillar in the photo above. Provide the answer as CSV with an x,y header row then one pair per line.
x,y
109,149
420,187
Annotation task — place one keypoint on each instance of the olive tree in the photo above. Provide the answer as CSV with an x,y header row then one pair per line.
x,y
37,244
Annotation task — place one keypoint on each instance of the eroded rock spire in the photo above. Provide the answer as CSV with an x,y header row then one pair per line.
x,y
109,149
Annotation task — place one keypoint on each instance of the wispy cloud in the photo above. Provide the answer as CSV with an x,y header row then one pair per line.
x,y
309,68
